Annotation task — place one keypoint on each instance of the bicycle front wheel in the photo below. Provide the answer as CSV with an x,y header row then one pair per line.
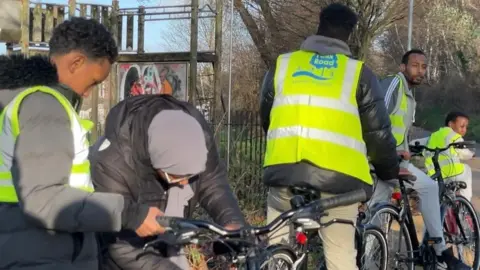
x,y
373,253
399,243
462,231
279,259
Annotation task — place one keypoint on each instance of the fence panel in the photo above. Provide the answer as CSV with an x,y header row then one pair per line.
x,y
247,146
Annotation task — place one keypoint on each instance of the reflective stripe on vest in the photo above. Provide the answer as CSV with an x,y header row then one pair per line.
x,y
398,117
314,116
448,160
10,130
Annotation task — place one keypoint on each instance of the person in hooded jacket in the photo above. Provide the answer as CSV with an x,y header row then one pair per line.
x,y
159,151
49,212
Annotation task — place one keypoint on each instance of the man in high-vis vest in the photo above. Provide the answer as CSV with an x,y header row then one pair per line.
x,y
400,102
456,124
323,113
49,212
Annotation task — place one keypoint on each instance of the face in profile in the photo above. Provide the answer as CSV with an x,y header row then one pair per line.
x,y
81,73
460,125
415,68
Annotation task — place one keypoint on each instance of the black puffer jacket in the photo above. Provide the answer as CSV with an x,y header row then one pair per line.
x,y
375,124
122,165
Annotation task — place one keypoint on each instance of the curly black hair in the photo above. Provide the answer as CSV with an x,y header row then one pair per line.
x,y
85,35
452,117
337,21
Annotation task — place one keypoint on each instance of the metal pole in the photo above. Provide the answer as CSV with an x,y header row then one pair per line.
x,y
410,22
217,93
230,56
193,52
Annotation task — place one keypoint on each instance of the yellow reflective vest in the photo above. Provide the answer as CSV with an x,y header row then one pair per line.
x,y
10,130
315,116
448,160
397,117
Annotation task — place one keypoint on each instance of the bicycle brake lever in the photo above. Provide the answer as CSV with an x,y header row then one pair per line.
x,y
167,238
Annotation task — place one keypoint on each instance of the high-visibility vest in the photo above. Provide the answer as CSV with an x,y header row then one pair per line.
x,y
397,117
10,130
315,116
448,160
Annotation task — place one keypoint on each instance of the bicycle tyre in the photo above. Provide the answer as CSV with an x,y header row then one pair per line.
x,y
380,237
279,254
471,210
393,212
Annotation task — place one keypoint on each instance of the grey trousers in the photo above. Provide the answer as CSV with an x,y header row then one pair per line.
x,y
427,190
338,239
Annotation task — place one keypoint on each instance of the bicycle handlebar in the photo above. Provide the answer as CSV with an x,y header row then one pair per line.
x,y
417,148
314,207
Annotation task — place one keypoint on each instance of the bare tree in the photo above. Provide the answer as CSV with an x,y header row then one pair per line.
x,y
279,25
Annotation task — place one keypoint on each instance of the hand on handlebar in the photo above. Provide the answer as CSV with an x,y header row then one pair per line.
x,y
405,155
233,226
150,225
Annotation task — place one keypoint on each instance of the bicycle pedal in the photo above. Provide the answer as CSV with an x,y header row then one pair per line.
x,y
434,240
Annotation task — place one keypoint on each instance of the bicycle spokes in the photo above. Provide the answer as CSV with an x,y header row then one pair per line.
x,y
460,232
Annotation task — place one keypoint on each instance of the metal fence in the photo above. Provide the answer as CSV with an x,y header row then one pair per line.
x,y
247,147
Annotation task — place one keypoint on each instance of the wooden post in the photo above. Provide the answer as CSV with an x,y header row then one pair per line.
x,y
37,23
217,67
95,12
141,30
49,23
129,31
106,18
115,28
120,31
61,15
72,6
83,10
25,26
193,52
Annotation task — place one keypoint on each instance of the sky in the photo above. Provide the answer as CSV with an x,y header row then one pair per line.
x,y
152,28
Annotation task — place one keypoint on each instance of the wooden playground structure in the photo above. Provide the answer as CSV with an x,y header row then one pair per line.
x,y
30,25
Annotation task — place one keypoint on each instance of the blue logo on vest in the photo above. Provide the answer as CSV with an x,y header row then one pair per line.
x,y
322,68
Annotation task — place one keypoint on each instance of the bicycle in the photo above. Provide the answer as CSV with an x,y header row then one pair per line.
x,y
244,247
417,253
306,234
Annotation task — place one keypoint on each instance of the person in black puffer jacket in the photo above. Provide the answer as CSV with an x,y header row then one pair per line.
x,y
160,152
323,113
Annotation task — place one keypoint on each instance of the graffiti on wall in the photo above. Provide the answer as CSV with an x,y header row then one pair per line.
x,y
153,78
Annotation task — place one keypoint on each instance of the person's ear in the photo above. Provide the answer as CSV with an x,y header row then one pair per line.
x,y
76,63
403,67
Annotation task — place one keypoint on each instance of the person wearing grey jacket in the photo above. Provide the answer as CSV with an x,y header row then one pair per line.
x,y
401,104
49,213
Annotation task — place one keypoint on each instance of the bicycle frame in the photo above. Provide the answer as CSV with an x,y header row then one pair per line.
x,y
420,256
444,196
311,233
194,227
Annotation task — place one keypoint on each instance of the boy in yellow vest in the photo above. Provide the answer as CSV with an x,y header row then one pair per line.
x,y
456,124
